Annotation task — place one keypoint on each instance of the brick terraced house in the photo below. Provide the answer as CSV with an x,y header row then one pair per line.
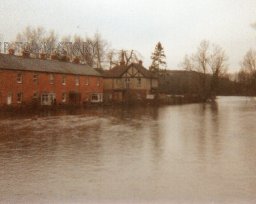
x,y
25,80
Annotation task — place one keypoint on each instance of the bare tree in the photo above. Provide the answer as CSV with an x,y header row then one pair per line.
x,y
30,40
247,74
111,58
49,42
35,41
88,50
123,57
249,62
217,63
92,51
187,63
201,58
199,62
101,48
209,60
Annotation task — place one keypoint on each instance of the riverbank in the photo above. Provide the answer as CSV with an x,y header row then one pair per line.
x,y
162,99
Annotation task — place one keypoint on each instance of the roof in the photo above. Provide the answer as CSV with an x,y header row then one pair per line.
x,y
12,62
119,70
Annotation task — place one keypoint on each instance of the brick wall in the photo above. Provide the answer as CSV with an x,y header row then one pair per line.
x,y
30,86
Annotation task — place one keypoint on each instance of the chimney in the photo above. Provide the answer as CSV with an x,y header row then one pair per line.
x,y
76,60
54,56
11,51
140,63
122,62
64,58
43,56
25,53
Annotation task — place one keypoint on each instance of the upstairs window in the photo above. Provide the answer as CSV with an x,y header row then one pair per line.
x,y
51,78
35,77
139,82
63,79
19,78
127,82
77,81
87,81
98,81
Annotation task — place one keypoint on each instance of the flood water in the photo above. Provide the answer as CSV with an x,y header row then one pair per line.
x,y
195,153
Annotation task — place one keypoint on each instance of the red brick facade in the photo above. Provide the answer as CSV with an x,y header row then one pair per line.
x,y
25,87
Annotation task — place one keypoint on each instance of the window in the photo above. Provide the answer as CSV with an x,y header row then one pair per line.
x,y
48,99
98,81
19,78
35,77
77,80
87,81
19,97
127,80
94,97
9,98
139,82
63,79
35,95
51,77
64,97
44,98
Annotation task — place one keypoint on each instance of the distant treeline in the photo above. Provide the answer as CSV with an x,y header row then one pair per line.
x,y
190,83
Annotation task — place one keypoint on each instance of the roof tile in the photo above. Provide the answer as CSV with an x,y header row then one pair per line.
x,y
13,62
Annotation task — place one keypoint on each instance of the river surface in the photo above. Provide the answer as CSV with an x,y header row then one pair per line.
x,y
195,153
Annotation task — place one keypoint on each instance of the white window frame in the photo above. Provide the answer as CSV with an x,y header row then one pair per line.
x,y
87,81
19,78
77,81
51,78
35,77
64,97
98,97
64,79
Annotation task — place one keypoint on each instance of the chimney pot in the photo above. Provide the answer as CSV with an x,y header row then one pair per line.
x,y
122,62
25,53
76,60
42,55
11,51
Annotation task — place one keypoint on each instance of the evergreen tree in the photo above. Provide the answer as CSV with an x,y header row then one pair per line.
x,y
158,58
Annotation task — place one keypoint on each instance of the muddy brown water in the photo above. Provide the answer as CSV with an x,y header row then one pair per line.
x,y
195,153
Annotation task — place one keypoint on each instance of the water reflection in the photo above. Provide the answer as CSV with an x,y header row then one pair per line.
x,y
188,153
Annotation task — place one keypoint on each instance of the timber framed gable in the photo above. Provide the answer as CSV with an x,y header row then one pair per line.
x,y
132,72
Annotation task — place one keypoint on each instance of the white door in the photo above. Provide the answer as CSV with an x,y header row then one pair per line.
x,y
9,99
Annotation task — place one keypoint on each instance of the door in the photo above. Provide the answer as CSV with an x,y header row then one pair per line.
x,y
48,99
9,99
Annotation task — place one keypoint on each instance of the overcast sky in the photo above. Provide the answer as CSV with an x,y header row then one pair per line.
x,y
179,25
